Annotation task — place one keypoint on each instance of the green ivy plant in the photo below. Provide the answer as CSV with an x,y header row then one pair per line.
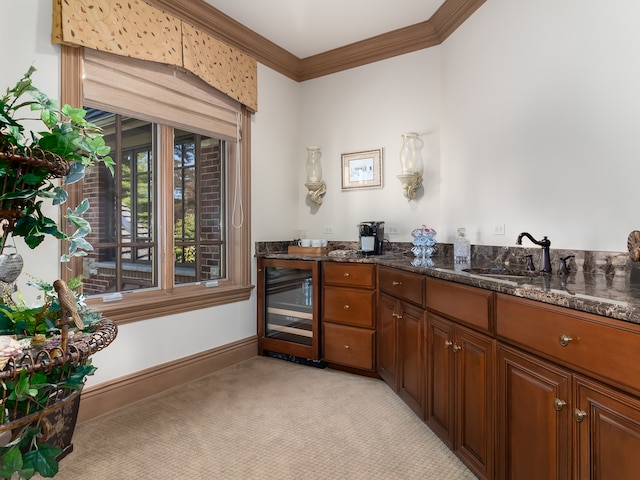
x,y
66,140
26,455
66,134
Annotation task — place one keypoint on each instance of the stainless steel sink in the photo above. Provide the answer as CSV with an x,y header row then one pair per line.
x,y
501,272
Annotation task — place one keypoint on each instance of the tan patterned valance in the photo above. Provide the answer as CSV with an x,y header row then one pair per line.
x,y
138,30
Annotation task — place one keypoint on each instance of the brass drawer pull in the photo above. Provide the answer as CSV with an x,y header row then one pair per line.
x,y
558,404
395,282
447,343
347,274
579,415
346,307
565,340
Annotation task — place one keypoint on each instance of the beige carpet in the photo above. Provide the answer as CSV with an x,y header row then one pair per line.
x,y
264,418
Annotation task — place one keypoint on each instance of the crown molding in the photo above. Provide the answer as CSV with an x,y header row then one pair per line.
x,y
404,40
210,20
450,15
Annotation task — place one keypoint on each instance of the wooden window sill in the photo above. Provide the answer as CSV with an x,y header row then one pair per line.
x,y
144,305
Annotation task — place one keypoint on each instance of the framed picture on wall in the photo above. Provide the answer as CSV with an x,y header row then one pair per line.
x,y
362,169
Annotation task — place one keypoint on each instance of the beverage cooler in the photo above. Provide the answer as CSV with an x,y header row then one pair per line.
x,y
288,308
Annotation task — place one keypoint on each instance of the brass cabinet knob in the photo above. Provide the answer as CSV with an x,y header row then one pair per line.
x,y
395,282
579,415
558,404
456,347
347,274
565,340
447,343
346,307
346,346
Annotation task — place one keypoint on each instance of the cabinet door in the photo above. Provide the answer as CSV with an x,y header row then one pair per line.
x,y
440,378
411,387
534,412
474,359
608,432
386,341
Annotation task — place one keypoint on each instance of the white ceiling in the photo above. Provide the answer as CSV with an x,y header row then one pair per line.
x,y
308,27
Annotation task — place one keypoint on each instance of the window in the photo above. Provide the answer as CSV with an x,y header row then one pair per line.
x,y
199,210
165,237
125,208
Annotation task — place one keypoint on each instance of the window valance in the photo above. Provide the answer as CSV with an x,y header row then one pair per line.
x,y
138,30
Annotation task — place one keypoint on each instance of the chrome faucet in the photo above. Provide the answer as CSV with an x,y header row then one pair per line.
x,y
545,244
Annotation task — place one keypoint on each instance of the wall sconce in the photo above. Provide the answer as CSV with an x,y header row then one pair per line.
x,y
411,162
316,186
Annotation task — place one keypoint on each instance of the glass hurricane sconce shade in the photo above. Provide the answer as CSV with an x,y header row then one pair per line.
x,y
314,167
411,164
315,185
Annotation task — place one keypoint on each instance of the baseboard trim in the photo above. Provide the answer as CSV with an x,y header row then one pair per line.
x,y
109,396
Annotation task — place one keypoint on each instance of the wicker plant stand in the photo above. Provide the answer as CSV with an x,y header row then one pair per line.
x,y
16,166
57,419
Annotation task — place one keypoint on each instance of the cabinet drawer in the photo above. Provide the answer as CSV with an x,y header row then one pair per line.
x,y
351,306
405,285
468,305
604,348
349,346
349,274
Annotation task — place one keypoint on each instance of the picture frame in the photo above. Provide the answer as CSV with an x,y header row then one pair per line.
x,y
362,169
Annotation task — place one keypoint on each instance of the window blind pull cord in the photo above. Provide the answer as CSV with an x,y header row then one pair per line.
x,y
237,198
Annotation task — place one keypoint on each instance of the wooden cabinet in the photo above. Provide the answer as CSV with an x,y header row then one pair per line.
x,y
608,432
401,345
460,395
576,340
555,422
348,313
469,306
518,389
411,360
460,369
387,340
534,429
441,378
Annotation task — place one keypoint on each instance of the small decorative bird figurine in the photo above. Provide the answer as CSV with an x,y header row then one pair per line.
x,y
68,306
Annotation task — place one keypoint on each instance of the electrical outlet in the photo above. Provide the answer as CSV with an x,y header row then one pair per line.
x,y
328,230
392,230
498,229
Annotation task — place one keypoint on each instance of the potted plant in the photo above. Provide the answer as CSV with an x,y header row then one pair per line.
x,y
45,349
30,160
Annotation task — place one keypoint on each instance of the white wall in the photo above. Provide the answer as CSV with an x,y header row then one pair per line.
x,y
540,122
26,41
367,108
274,171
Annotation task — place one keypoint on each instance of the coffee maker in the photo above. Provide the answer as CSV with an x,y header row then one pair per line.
x,y
371,238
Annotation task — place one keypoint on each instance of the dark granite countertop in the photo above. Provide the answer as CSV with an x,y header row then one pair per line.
x,y
601,283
